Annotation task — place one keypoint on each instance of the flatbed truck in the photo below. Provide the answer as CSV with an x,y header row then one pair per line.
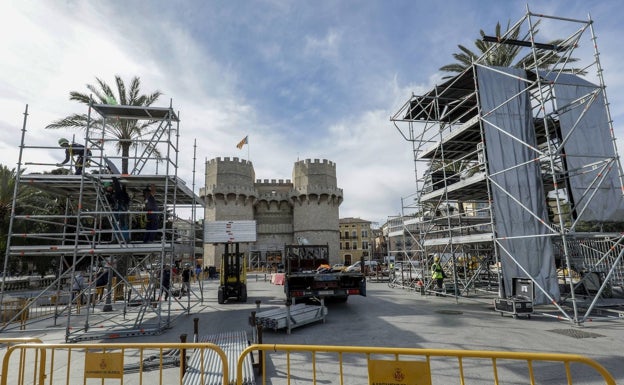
x,y
308,275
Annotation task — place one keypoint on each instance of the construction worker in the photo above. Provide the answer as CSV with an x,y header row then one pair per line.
x,y
100,284
151,207
437,273
82,154
186,282
165,283
119,201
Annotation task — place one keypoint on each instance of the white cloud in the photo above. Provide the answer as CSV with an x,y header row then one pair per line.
x,y
327,46
303,81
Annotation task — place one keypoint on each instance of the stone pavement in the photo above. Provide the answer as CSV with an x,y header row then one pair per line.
x,y
399,318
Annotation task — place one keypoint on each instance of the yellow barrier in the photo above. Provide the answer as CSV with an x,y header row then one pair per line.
x,y
375,365
22,340
158,363
132,363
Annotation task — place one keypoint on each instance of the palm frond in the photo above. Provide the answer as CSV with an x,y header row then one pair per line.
x,y
135,85
108,92
505,55
99,97
121,88
80,97
72,121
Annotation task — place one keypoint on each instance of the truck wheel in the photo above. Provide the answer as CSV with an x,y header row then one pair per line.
x,y
342,299
220,296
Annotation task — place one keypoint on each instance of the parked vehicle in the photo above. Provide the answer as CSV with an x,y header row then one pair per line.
x,y
338,266
304,280
370,267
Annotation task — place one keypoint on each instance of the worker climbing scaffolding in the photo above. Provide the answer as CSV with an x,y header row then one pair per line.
x,y
74,149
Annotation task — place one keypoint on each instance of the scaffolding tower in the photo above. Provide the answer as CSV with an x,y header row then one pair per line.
x,y
518,174
92,235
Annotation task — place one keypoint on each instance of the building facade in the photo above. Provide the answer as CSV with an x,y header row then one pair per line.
x,y
356,240
304,209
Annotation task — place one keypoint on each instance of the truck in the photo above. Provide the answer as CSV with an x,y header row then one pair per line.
x,y
308,275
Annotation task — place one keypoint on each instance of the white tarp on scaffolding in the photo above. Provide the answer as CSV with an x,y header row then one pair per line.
x,y
594,181
519,201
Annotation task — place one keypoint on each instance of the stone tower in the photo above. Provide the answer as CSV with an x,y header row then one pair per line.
x,y
283,210
316,199
229,194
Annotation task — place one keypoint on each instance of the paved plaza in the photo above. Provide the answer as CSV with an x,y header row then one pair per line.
x,y
399,318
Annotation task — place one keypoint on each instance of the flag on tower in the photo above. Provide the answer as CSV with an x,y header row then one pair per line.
x,y
242,143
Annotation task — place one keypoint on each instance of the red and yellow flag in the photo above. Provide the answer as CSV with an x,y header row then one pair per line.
x,y
242,143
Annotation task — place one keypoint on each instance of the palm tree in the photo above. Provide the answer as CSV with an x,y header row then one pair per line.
x,y
7,185
505,55
29,200
126,131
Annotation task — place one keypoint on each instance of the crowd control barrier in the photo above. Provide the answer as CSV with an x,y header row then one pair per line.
x,y
8,342
314,364
33,363
121,363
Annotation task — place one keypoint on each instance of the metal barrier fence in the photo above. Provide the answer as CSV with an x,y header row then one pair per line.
x,y
8,342
20,310
314,364
129,363
171,363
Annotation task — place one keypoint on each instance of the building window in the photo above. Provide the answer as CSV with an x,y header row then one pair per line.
x,y
354,246
346,245
365,245
364,233
354,234
346,235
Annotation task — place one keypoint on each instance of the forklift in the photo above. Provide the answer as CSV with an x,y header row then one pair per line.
x,y
232,276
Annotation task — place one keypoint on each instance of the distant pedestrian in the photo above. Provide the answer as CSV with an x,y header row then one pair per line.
x,y
74,149
78,285
186,282
198,272
165,282
100,284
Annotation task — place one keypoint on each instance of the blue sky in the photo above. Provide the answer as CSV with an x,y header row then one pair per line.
x,y
303,79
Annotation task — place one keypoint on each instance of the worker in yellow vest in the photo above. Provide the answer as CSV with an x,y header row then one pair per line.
x,y
437,273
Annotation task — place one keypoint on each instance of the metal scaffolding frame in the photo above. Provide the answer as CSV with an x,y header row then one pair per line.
x,y
92,233
452,212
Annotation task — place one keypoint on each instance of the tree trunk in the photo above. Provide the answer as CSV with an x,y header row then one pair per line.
x,y
125,152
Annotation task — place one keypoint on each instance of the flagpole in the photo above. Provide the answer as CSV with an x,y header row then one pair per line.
x,y
248,148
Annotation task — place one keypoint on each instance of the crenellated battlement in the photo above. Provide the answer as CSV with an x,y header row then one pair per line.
x,y
227,159
317,163
324,162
